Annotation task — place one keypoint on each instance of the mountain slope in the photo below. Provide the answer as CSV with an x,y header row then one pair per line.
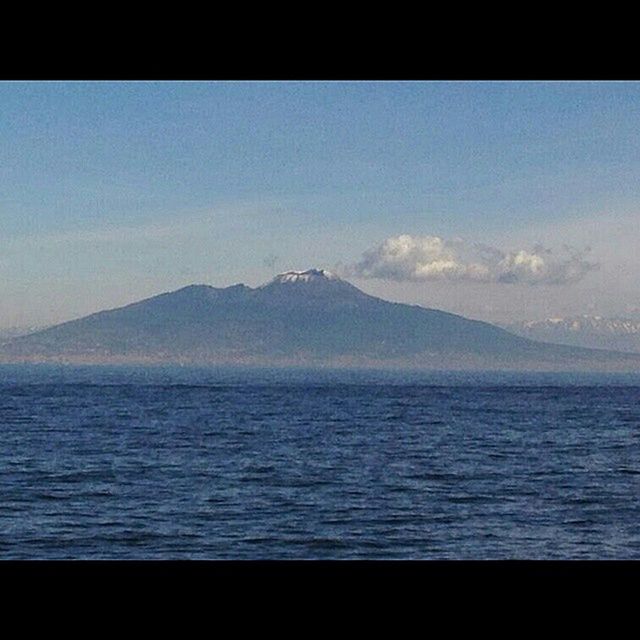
x,y
306,317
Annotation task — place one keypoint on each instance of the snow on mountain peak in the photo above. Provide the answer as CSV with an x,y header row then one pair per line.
x,y
583,323
310,275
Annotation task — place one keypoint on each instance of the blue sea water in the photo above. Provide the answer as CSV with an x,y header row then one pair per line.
x,y
172,463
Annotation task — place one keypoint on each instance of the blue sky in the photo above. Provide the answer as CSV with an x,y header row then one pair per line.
x,y
114,191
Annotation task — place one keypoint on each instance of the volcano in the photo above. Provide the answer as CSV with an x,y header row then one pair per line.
x,y
310,317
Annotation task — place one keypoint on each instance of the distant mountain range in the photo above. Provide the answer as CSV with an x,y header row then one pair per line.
x,y
310,318
620,334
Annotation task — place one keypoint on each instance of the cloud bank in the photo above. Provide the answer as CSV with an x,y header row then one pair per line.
x,y
422,258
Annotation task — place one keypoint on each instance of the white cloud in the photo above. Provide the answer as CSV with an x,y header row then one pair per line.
x,y
420,258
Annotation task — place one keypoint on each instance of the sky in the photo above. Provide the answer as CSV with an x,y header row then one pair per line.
x,y
500,201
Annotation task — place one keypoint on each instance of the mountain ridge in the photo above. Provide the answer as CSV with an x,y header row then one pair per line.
x,y
614,333
310,317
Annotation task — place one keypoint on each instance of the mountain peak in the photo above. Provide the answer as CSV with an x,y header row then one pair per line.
x,y
310,275
311,287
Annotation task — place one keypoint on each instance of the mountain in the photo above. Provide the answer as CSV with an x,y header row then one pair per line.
x,y
301,317
13,332
620,334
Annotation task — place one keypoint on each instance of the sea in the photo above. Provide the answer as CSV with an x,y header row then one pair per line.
x,y
232,463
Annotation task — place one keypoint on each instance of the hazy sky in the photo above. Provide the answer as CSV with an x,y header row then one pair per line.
x,y
495,200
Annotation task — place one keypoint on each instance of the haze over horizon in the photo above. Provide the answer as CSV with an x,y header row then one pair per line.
x,y
499,201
